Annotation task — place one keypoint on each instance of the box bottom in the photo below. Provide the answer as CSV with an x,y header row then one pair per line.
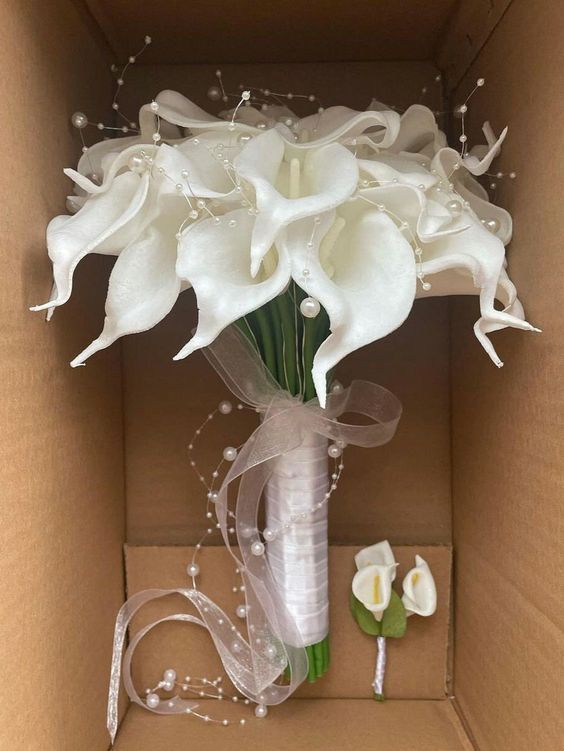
x,y
312,724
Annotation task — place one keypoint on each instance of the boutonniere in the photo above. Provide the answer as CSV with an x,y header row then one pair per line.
x,y
379,610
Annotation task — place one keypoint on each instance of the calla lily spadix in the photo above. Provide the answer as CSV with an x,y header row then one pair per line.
x,y
361,211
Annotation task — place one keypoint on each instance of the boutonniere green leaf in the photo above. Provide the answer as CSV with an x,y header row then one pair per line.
x,y
394,620
364,617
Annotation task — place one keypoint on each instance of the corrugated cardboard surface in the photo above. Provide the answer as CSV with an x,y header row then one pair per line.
x,y
312,724
416,663
467,30
61,440
508,425
290,30
400,491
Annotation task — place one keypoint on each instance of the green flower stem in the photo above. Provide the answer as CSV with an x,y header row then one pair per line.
x,y
278,342
308,355
269,356
284,306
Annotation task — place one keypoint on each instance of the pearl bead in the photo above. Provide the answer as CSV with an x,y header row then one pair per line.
x,y
271,651
455,207
229,454
261,711
154,106
131,59
257,548
463,138
225,407
153,701
169,675
232,223
242,721
244,138
241,611
214,496
148,39
79,120
269,534
480,81
214,93
426,286
462,109
491,224
201,204
156,137
100,126
237,648
337,387
193,214
168,685
334,451
310,307
193,569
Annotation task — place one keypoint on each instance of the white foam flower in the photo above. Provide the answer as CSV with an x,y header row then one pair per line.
x,y
372,586
419,590
376,570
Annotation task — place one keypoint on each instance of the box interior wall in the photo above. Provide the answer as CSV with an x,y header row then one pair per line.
x,y
94,458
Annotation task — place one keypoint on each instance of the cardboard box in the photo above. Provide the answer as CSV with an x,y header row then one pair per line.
x,y
94,458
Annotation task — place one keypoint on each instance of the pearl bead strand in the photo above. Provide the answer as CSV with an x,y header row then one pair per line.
x,y
200,687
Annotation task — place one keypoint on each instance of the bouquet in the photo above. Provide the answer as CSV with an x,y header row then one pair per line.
x,y
309,237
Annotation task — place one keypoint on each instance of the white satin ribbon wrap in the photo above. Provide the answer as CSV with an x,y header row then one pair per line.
x,y
287,423
298,557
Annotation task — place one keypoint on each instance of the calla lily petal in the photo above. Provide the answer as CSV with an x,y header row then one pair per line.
x,y
479,165
215,259
143,288
418,129
419,590
380,554
372,585
104,224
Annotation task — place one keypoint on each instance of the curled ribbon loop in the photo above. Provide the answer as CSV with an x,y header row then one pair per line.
x,y
286,422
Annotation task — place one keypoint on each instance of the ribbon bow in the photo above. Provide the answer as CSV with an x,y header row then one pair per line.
x,y
286,420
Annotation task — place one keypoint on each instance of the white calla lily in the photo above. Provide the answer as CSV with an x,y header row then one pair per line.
x,y
361,300
419,590
329,176
372,585
216,259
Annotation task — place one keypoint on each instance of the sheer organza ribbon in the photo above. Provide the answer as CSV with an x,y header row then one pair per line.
x,y
253,665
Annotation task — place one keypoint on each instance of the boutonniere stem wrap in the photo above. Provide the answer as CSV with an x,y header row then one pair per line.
x,y
378,609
